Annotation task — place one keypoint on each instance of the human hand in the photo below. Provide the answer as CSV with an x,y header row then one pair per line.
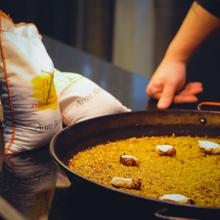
x,y
167,85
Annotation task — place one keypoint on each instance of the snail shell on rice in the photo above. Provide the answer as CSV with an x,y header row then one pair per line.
x,y
129,183
129,160
168,150
209,147
177,198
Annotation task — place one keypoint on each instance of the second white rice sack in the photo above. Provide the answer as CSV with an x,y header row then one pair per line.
x,y
82,99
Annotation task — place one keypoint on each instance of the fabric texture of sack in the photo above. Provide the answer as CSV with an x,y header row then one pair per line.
x,y
31,114
81,99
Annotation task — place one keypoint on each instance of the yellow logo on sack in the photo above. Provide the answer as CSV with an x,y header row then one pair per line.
x,y
44,91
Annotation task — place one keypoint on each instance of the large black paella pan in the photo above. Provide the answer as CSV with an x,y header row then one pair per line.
x,y
83,135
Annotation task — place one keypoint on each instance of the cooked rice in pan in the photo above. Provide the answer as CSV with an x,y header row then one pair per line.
x,y
190,172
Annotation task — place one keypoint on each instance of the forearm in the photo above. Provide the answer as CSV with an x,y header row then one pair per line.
x,y
197,25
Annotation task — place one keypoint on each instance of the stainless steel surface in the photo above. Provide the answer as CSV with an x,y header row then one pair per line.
x,y
128,87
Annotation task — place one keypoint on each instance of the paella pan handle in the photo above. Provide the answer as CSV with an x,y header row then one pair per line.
x,y
210,104
164,214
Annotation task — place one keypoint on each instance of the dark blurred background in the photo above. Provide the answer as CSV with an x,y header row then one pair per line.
x,y
80,23
133,34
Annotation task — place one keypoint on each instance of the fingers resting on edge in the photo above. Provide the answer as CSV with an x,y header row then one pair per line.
x,y
188,94
167,95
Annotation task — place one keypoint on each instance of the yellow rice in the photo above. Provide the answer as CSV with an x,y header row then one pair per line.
x,y
191,172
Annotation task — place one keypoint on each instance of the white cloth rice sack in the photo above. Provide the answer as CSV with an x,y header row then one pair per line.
x,y
82,99
31,114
